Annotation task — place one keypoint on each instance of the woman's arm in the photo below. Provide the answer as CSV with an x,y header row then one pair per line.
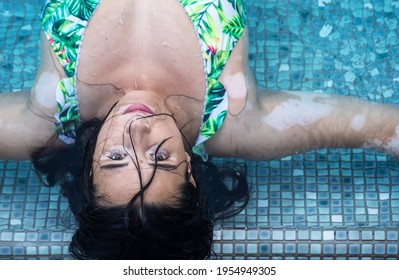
x,y
274,125
21,130
26,117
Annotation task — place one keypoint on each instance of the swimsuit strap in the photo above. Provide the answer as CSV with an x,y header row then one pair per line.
x,y
219,25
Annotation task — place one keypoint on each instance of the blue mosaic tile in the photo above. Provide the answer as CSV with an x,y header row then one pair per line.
x,y
303,235
392,235
315,249
18,250
227,248
354,249
367,235
264,248
43,250
366,249
55,250
227,235
239,248
44,236
277,248
264,235
290,249
328,249
31,250
392,249
252,248
303,248
5,250
379,249
32,236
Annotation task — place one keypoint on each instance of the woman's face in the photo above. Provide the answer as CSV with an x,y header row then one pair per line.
x,y
132,138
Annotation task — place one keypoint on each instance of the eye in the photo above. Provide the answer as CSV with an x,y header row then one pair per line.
x,y
160,155
117,155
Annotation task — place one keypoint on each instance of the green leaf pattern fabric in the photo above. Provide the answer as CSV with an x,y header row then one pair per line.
x,y
67,111
64,23
218,23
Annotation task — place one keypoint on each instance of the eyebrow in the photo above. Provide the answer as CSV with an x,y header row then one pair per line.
x,y
114,165
163,166
120,165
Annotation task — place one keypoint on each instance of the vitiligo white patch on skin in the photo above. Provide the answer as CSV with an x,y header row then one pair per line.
x,y
375,144
248,106
358,122
301,111
393,143
240,89
391,146
41,89
236,88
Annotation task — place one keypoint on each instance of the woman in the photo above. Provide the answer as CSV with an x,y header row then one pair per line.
x,y
138,67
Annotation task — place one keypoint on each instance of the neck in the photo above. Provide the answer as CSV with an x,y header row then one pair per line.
x,y
188,113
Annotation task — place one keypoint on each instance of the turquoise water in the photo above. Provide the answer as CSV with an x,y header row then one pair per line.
x,y
335,203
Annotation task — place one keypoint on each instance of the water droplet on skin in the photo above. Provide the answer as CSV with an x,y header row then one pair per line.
x,y
121,17
166,44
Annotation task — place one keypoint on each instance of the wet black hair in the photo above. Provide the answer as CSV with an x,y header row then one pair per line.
x,y
183,230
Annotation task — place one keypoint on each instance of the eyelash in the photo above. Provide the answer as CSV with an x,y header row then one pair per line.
x,y
161,152
117,153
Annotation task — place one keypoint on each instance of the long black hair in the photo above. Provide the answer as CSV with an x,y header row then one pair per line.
x,y
183,230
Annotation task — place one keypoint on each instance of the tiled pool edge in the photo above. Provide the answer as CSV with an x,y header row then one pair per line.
x,y
258,243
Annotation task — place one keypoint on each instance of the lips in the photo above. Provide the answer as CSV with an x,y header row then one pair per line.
x,y
138,108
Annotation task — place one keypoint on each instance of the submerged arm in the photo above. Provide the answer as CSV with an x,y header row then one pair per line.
x,y
285,123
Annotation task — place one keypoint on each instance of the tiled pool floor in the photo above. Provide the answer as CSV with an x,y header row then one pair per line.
x,y
336,203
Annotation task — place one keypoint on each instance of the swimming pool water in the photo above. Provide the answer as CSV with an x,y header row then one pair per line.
x,y
330,203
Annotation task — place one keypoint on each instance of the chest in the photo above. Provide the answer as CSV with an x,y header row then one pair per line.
x,y
143,45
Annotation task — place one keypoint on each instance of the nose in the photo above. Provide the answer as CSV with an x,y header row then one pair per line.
x,y
138,126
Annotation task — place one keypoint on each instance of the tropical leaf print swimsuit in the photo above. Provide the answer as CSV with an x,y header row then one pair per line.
x,y
219,25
